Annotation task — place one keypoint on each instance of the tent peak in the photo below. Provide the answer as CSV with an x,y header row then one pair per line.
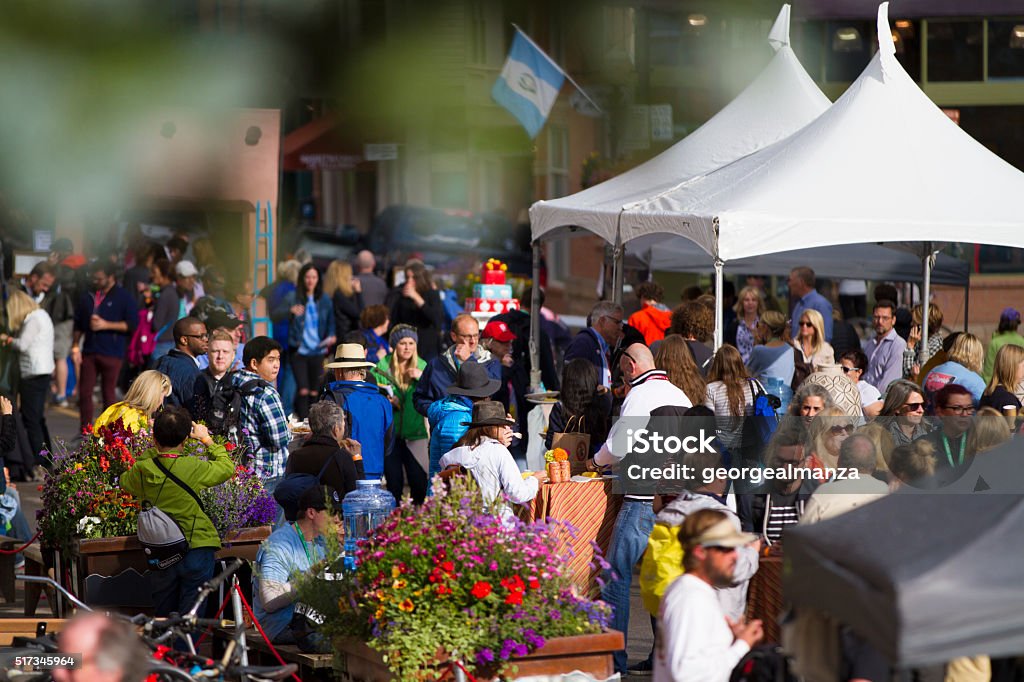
x,y
886,46
778,37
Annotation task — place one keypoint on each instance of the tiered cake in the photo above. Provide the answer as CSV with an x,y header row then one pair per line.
x,y
492,296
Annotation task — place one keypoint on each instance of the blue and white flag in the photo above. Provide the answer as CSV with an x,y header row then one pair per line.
x,y
529,83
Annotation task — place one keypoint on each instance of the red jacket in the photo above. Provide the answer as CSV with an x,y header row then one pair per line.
x,y
651,322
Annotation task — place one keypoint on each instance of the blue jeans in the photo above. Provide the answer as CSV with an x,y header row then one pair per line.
x,y
633,527
175,588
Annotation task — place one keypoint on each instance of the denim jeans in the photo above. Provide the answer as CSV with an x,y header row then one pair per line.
x,y
175,588
633,527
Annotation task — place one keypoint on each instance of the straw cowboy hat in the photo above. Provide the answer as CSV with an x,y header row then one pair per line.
x,y
350,356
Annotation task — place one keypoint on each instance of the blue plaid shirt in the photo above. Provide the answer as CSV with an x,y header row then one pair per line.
x,y
264,427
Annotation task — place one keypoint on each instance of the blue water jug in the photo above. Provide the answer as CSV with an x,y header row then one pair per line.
x,y
364,508
781,390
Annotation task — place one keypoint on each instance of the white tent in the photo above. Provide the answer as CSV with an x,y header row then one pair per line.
x,y
882,164
779,102
847,261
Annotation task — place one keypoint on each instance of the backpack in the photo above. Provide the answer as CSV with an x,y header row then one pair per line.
x,y
226,402
162,539
763,663
290,488
143,341
761,425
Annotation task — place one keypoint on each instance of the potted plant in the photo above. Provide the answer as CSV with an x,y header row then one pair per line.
x,y
448,581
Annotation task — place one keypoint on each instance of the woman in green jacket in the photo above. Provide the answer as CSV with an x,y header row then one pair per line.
x,y
398,373
174,588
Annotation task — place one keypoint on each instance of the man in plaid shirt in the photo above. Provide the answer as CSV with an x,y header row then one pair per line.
x,y
261,417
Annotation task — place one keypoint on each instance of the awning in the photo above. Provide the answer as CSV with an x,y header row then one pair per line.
x,y
320,145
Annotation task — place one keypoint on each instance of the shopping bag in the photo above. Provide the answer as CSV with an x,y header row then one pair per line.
x,y
576,442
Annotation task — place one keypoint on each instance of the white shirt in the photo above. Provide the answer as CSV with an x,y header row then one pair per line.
x,y
649,391
35,344
695,643
492,467
868,393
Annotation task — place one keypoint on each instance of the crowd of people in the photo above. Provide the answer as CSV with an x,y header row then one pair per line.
x,y
397,385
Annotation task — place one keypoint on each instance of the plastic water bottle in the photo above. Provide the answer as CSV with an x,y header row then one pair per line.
x,y
776,387
364,508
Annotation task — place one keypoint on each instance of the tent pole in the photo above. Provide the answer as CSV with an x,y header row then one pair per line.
x,y
967,299
535,320
926,300
618,276
719,314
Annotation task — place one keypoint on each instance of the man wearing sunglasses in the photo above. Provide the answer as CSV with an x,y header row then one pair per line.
x,y
954,405
180,364
595,343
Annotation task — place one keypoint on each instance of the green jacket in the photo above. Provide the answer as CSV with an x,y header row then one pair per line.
x,y
146,482
410,424
997,342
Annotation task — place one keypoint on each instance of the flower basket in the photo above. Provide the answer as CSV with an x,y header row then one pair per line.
x,y
452,580
591,654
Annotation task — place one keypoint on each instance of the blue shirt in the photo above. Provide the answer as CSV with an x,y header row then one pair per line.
x,y
885,360
812,300
280,556
953,373
310,330
116,306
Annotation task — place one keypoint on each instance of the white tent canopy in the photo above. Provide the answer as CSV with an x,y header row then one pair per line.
x,y
882,164
779,102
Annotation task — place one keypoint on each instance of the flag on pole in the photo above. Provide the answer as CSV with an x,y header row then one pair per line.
x,y
529,83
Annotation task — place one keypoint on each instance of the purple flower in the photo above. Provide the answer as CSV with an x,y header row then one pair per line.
x,y
484,656
533,640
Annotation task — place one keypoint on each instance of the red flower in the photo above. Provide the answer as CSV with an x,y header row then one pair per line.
x,y
481,590
442,590
229,446
534,583
447,567
515,583
514,598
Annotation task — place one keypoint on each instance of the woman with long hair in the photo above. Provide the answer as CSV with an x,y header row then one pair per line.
x,y
814,350
903,412
825,436
418,304
675,358
165,310
144,398
963,367
483,452
730,395
33,339
310,334
742,333
809,400
1007,372
346,292
989,430
911,462
399,373
581,405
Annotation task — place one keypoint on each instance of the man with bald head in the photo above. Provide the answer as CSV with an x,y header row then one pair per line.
x,y
373,288
648,389
110,650
856,454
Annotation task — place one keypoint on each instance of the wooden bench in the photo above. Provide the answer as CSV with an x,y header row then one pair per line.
x,y
26,627
34,565
311,666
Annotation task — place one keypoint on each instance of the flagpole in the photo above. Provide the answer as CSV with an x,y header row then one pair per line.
x,y
557,66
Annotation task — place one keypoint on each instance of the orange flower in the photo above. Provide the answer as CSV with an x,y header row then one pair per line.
x,y
406,606
561,455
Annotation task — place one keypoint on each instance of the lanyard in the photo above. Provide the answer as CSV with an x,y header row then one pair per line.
x,y
949,455
97,300
305,547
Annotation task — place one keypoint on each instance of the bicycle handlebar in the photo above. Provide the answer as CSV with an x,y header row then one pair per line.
x,y
46,580
212,584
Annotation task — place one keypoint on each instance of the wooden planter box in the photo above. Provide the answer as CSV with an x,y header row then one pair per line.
x,y
111,573
590,654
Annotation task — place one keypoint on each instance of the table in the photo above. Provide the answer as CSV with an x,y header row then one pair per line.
x,y
764,597
591,509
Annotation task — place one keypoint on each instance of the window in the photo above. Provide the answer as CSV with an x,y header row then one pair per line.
x,y
664,36
620,34
906,36
558,161
1006,48
848,49
955,51
477,34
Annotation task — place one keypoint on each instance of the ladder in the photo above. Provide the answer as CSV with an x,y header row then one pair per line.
x,y
263,263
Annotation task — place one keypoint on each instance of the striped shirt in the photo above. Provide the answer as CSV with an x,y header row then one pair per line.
x,y
782,512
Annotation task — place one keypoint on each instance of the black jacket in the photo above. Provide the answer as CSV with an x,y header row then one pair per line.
x,y
346,313
311,457
751,506
428,320
519,323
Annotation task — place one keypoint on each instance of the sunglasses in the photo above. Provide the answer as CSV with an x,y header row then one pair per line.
x,y
847,370
806,324
619,322
913,407
841,428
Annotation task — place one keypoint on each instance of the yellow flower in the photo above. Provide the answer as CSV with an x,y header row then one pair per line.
x,y
379,613
398,584
395,572
406,605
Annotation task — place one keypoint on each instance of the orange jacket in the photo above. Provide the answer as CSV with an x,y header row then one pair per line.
x,y
651,322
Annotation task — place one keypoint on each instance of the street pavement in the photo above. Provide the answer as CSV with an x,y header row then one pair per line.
x,y
63,425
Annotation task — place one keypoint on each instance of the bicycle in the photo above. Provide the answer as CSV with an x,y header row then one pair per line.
x,y
159,636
